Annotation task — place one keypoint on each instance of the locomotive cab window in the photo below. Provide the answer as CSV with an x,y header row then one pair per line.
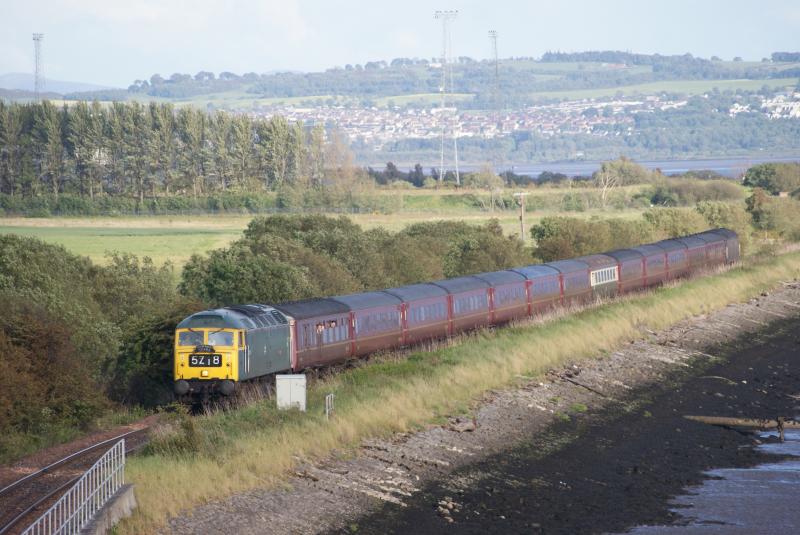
x,y
220,338
190,338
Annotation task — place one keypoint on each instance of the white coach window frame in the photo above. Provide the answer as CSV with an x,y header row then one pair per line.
x,y
604,276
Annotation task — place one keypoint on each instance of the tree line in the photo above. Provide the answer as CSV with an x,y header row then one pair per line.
x,y
147,150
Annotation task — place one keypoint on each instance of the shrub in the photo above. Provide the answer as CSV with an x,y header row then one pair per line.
x,y
675,192
284,257
61,328
142,371
774,177
565,237
47,381
777,215
673,222
728,215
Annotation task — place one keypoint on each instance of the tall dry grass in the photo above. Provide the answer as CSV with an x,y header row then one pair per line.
x,y
218,454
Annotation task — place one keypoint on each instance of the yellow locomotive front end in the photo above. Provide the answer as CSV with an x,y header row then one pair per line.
x,y
206,359
206,355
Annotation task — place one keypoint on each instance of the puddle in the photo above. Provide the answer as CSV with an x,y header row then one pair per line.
x,y
762,499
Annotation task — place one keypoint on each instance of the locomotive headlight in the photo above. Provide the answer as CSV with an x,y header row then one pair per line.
x,y
204,373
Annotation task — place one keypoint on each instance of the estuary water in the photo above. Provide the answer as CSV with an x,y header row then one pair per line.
x,y
730,167
762,499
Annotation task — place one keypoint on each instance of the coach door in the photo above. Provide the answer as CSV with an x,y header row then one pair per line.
x,y
309,343
319,340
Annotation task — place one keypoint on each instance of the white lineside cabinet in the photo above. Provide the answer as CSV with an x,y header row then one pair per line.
x,y
291,391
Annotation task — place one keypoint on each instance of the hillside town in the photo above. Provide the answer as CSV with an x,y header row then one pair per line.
x,y
377,126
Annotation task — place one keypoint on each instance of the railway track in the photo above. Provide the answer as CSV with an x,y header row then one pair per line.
x,y
22,501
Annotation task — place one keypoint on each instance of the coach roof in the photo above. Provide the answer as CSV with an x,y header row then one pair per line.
x,y
364,300
462,284
413,292
310,308
498,278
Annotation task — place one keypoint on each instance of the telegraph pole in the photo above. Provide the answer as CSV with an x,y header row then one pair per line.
x,y
38,73
520,196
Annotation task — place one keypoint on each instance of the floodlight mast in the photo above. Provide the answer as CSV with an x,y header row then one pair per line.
x,y
447,58
497,158
38,73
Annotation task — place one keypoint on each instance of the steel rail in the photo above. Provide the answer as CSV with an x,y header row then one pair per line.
x,y
17,519
65,460
33,476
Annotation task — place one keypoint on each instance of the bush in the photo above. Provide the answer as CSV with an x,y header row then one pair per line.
x,y
774,177
674,192
107,205
61,329
728,215
485,250
284,257
47,384
73,205
674,222
628,172
142,372
48,276
561,237
773,214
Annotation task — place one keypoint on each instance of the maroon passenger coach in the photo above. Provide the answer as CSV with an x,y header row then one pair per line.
x,y
328,330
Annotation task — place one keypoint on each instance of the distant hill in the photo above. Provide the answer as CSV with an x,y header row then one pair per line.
x,y
476,84
20,95
24,82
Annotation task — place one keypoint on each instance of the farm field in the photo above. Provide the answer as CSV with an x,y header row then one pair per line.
x,y
96,238
692,87
177,238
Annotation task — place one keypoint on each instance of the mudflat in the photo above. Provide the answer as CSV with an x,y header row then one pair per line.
x,y
624,463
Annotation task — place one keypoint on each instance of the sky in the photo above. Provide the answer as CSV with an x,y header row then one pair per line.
x,y
113,42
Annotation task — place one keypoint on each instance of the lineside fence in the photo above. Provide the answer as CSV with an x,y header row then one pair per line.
x,y
88,495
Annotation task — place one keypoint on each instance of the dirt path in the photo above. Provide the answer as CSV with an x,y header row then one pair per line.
x,y
597,446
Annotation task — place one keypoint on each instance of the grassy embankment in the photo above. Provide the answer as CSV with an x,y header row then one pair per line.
x,y
219,454
175,238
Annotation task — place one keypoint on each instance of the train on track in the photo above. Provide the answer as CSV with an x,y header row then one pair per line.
x,y
216,350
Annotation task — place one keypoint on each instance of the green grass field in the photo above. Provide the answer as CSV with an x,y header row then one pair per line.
x,y
176,238
690,87
95,239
